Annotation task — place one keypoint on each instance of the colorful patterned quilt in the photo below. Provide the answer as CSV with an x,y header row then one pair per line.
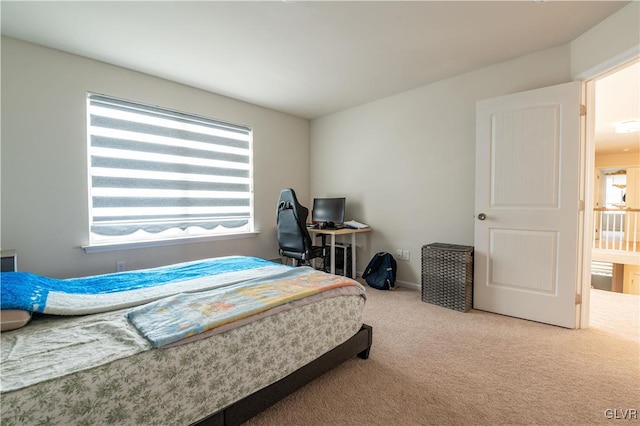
x,y
183,315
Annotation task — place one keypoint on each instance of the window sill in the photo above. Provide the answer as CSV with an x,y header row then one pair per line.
x,y
100,248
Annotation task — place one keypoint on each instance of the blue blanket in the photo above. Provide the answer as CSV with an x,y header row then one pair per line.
x,y
101,293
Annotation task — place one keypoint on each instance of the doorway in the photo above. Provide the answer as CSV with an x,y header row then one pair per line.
x,y
612,151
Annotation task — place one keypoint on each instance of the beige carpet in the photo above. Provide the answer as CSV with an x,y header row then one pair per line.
x,y
432,365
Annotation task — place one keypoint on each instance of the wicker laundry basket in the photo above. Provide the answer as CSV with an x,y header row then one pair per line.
x,y
447,275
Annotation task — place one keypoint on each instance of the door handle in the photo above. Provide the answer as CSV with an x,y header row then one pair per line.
x,y
482,216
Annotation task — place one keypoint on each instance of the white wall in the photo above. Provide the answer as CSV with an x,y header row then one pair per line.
x,y
617,160
406,162
44,160
619,34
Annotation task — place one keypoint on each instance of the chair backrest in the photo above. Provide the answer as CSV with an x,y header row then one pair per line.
x,y
293,238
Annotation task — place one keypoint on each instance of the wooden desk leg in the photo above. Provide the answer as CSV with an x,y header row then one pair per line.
x,y
353,256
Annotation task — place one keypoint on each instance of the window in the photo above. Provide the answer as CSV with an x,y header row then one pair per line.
x,y
615,188
156,174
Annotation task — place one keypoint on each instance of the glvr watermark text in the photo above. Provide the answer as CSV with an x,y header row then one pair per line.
x,y
621,414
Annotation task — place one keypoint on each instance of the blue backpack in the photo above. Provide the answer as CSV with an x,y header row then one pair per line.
x,y
380,273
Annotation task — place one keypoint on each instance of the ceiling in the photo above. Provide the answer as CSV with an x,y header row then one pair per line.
x,y
312,58
307,58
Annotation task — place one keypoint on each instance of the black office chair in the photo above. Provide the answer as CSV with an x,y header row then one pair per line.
x,y
293,238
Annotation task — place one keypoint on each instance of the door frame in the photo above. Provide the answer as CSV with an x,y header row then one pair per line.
x,y
587,175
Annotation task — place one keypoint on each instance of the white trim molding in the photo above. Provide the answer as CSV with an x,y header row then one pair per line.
x,y
609,64
171,242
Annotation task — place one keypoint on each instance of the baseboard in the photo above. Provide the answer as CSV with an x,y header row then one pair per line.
x,y
411,286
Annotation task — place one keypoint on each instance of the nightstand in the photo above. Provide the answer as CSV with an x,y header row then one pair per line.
x,y
9,261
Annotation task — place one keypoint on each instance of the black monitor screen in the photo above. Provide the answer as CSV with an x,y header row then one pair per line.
x,y
328,210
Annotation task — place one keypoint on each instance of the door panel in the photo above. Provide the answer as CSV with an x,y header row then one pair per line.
x,y
527,185
523,260
525,144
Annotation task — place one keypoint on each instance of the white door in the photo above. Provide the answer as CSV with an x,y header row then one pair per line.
x,y
527,205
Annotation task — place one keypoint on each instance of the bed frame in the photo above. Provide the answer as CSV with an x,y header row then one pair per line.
x,y
243,410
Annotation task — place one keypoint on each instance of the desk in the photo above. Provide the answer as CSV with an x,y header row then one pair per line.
x,y
341,231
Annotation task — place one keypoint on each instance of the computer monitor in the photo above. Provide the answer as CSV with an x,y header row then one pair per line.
x,y
328,212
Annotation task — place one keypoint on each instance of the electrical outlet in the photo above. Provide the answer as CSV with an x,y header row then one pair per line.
x,y
405,254
399,254
120,266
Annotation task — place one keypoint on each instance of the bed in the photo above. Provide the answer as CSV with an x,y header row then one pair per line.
x,y
210,342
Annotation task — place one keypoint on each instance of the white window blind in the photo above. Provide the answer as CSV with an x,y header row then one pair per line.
x,y
156,174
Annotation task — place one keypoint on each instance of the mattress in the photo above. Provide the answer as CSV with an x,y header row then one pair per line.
x,y
183,384
179,384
